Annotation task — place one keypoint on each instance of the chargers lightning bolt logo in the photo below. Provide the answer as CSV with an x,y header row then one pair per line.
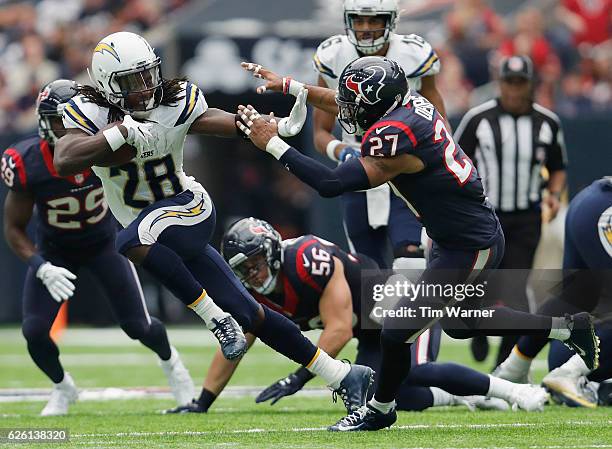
x,y
104,47
196,210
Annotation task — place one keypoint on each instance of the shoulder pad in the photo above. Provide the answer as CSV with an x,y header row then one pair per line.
x,y
314,263
85,115
387,138
332,56
192,105
415,55
13,166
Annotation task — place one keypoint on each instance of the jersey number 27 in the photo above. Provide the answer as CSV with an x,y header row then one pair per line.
x,y
461,170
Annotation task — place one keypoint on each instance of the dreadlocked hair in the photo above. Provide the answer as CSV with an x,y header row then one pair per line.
x,y
172,90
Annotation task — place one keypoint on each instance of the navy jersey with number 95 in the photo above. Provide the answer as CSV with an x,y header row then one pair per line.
x,y
72,212
447,195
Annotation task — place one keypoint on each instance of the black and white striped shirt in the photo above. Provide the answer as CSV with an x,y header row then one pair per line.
x,y
510,152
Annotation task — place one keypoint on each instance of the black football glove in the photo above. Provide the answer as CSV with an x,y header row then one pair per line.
x,y
285,387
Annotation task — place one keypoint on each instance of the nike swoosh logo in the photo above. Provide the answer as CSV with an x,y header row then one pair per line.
x,y
379,130
580,351
305,259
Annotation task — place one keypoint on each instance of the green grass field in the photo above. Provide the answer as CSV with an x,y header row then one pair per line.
x,y
106,358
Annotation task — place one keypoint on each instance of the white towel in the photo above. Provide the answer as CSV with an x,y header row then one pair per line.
x,y
379,205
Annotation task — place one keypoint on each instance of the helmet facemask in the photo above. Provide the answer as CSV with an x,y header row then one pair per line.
x,y
374,44
45,126
137,90
246,272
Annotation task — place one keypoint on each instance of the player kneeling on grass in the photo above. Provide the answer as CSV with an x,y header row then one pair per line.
x,y
407,144
587,255
74,231
318,285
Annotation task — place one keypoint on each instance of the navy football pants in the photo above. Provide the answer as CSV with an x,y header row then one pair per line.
x,y
402,230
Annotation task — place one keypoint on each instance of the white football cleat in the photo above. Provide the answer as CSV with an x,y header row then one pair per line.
x,y
62,395
574,391
528,397
485,403
178,377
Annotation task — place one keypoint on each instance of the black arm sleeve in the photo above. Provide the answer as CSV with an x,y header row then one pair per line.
x,y
346,177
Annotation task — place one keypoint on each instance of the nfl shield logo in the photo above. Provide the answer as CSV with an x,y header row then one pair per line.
x,y
79,178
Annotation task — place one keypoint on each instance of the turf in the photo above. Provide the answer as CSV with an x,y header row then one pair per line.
x,y
238,422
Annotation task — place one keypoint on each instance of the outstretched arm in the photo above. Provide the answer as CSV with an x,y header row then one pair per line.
x,y
355,174
215,122
319,97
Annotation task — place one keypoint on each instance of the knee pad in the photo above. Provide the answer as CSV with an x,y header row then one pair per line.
x,y
35,328
135,329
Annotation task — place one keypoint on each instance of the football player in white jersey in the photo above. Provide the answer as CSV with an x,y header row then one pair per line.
x,y
372,218
169,217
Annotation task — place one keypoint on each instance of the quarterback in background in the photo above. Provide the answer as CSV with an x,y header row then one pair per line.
x,y
376,217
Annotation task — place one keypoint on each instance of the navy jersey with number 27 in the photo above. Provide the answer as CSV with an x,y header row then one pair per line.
x,y
447,195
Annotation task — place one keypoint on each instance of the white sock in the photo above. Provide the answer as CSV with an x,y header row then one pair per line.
x,y
576,365
383,407
499,388
559,329
517,362
441,397
206,309
173,357
332,371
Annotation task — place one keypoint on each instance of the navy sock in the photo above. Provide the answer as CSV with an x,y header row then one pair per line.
x,y
156,339
170,270
451,377
394,367
282,335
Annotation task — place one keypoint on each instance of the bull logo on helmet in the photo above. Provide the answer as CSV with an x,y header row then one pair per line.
x,y
368,85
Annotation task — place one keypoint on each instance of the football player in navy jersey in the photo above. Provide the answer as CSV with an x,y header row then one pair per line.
x,y
587,257
73,231
375,217
407,144
318,285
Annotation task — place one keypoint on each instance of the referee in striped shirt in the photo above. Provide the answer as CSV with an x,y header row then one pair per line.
x,y
511,139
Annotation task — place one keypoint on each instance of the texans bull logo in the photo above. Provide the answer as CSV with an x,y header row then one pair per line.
x,y
367,86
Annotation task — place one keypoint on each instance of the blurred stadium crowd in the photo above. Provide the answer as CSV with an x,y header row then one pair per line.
x,y
48,39
568,40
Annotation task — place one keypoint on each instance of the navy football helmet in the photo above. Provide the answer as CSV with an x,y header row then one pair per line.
x,y
50,105
247,238
369,88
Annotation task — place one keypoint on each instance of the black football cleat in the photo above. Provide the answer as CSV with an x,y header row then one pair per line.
x,y
354,387
192,407
365,418
231,338
583,339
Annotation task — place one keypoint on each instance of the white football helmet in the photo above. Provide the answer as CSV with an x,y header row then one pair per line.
x,y
386,8
127,71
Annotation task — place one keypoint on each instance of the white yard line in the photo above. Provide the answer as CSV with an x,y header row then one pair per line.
x,y
324,429
103,394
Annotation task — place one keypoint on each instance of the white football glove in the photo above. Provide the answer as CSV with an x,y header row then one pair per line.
x,y
57,280
292,125
139,134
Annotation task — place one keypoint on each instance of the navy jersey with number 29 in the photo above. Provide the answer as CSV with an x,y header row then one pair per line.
x,y
447,195
72,211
